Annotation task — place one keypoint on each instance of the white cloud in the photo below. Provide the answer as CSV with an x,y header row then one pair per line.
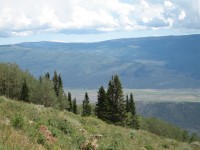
x,y
168,4
182,15
24,18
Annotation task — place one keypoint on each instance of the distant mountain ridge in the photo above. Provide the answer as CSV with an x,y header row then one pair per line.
x,y
151,62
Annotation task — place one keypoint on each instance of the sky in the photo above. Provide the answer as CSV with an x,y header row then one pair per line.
x,y
95,20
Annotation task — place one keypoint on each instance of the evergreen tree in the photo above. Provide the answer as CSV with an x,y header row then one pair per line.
x,y
74,107
55,83
101,108
132,119
127,104
194,137
47,75
40,79
136,122
60,101
117,108
86,106
24,93
60,84
111,103
3,87
69,101
185,136
132,105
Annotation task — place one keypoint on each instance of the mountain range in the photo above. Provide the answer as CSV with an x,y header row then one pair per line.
x,y
149,62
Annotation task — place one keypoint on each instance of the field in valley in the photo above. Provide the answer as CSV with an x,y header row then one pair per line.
x,y
159,95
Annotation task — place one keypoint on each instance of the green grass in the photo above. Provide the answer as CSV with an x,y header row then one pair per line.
x,y
19,123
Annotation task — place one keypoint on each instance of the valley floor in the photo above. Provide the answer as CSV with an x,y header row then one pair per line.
x,y
158,95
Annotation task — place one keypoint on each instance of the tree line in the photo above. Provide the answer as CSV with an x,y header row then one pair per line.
x,y
48,91
21,85
112,107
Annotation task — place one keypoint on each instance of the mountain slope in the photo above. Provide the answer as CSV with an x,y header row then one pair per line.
x,y
152,62
19,123
182,114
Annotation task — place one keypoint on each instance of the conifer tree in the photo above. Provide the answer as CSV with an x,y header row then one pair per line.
x,y
101,108
47,75
127,104
55,83
74,106
60,83
117,108
132,105
132,119
86,106
136,122
40,79
24,93
61,105
69,101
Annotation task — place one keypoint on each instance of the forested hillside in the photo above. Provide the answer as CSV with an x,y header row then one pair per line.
x,y
183,114
152,62
21,85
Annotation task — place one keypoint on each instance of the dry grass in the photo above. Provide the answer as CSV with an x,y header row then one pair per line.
x,y
66,127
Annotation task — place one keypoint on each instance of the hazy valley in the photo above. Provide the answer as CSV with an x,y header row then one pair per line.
x,y
144,63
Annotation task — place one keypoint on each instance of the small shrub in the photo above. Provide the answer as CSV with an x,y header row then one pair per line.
x,y
165,146
54,132
41,139
132,133
60,124
1,100
17,121
149,147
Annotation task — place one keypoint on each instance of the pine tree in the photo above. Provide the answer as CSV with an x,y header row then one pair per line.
x,y
86,106
74,106
132,105
137,122
55,83
47,75
101,108
60,83
24,93
69,101
194,137
61,101
117,108
111,103
132,119
127,104
40,79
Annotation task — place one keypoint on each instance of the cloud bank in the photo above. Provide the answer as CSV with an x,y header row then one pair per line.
x,y
24,18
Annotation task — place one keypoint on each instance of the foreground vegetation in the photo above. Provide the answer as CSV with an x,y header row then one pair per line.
x,y
45,127
20,122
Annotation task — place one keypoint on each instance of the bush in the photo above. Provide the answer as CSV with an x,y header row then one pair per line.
x,y
60,124
1,99
165,146
41,139
17,121
132,133
149,147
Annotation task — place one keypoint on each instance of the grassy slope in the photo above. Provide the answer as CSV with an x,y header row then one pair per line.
x,y
65,126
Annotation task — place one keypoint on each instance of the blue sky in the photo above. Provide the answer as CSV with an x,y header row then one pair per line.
x,y
95,20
